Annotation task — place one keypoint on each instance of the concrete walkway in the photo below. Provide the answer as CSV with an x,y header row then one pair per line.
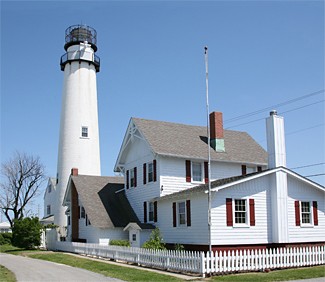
x,y
28,269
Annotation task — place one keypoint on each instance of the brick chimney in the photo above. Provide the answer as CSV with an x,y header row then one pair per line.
x,y
74,172
217,141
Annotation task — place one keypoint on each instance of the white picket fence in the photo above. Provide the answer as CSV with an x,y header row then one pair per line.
x,y
200,262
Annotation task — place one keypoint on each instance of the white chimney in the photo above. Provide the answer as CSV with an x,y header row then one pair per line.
x,y
275,140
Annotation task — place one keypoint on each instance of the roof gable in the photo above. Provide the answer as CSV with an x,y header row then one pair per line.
x,y
188,141
104,200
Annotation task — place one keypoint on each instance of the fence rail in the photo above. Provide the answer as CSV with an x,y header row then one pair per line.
x,y
200,262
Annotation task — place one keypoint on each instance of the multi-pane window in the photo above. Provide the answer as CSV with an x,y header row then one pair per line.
x,y
132,178
181,213
197,171
150,172
84,131
151,211
305,212
240,211
48,209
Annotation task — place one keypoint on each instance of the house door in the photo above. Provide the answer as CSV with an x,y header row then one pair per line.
x,y
135,238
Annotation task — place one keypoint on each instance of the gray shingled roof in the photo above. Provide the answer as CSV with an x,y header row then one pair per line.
x,y
105,203
180,140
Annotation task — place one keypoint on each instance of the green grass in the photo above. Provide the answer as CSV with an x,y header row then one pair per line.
x,y
277,275
6,275
127,274
9,249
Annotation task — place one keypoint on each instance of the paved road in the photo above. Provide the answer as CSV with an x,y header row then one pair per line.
x,y
28,269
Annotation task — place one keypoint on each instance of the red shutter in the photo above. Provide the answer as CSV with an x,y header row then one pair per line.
x,y
206,172
252,212
297,213
259,168
154,170
144,173
127,179
315,212
135,177
188,170
155,211
144,212
243,170
188,212
174,215
229,211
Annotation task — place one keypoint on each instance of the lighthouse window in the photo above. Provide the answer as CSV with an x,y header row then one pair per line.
x,y
84,131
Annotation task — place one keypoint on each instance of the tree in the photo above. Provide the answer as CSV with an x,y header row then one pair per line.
x,y
155,241
21,178
26,233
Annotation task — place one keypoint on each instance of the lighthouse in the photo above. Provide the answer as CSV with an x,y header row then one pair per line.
x,y
79,134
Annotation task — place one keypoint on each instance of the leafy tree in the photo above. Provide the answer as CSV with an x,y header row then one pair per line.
x,y
21,178
155,241
26,233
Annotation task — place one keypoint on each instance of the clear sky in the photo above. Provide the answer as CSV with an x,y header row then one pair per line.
x,y
261,54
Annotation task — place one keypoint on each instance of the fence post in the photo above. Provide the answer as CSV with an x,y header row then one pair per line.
x,y
202,265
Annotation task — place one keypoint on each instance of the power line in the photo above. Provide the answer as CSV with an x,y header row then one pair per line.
x,y
308,165
255,120
313,175
274,106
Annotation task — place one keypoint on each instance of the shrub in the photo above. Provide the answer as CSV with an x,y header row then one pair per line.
x,y
179,247
155,241
26,233
123,243
5,238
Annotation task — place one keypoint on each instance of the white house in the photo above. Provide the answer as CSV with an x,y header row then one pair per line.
x,y
50,201
255,200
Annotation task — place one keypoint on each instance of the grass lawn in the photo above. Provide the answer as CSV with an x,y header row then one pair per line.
x,y
127,274
276,275
6,275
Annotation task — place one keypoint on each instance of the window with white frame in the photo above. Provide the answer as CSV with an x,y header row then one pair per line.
x,y
181,213
196,171
240,211
83,212
151,211
150,172
306,216
84,131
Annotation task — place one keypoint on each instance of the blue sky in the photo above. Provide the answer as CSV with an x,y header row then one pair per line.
x,y
261,53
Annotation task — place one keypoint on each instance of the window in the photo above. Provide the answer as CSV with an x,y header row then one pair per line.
x,y
197,171
305,213
48,209
150,172
181,213
83,213
151,211
134,237
49,189
132,178
69,220
84,131
240,212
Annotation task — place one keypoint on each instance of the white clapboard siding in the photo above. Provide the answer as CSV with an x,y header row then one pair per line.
x,y
299,191
222,234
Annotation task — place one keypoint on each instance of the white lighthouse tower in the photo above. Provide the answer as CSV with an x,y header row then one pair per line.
x,y
79,135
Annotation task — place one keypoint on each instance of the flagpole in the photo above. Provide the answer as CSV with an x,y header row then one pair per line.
x,y
209,147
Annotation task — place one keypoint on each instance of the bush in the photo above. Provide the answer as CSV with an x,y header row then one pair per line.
x,y
123,243
5,238
26,233
179,247
155,241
